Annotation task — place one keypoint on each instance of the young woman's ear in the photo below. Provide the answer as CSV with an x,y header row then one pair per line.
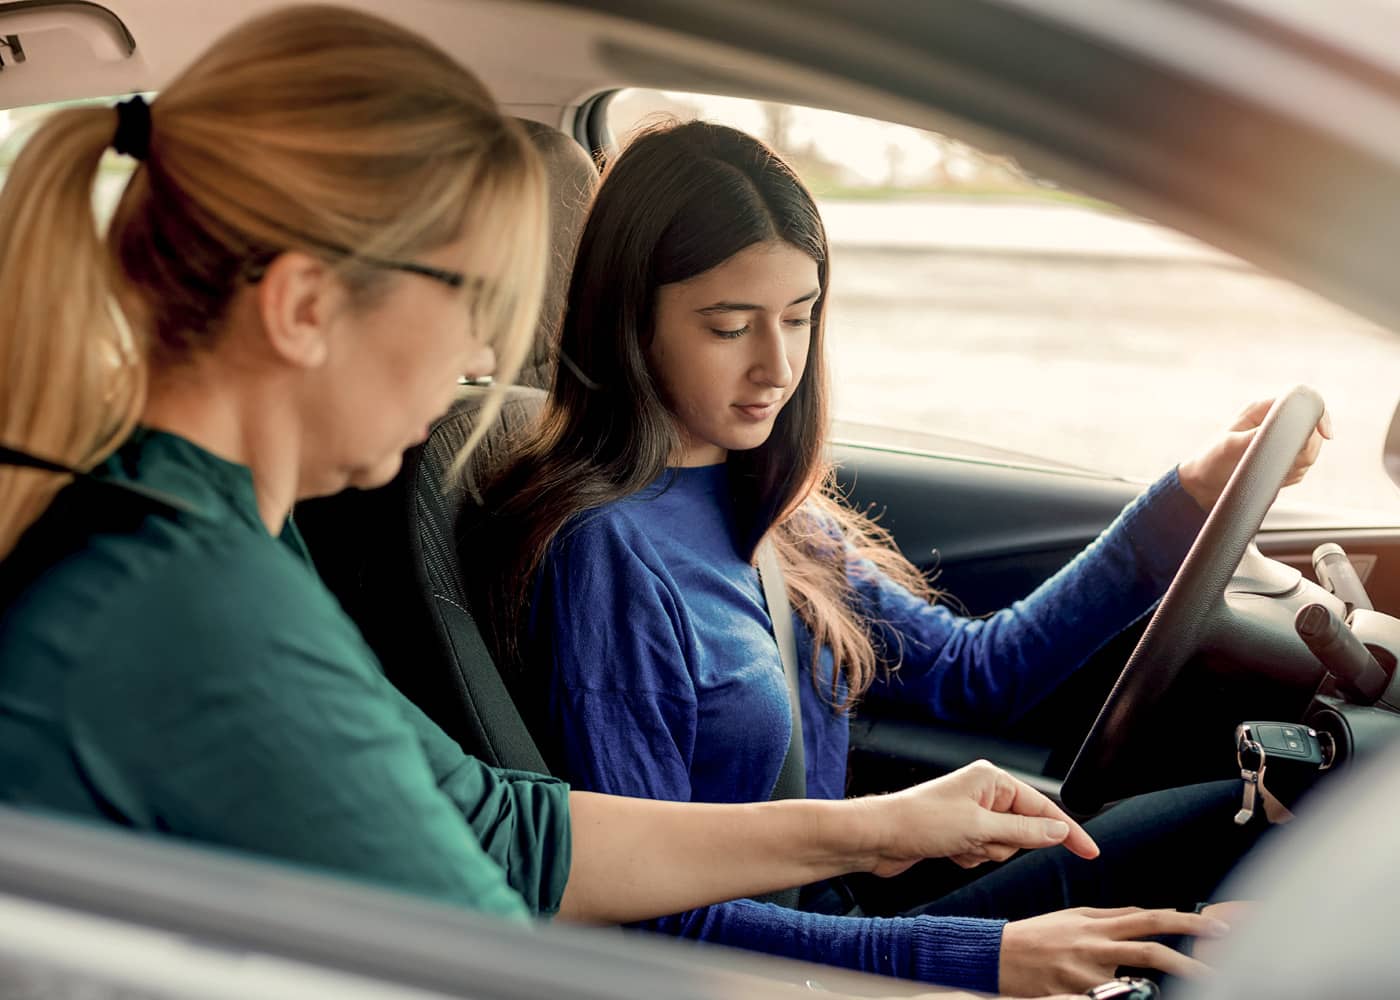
x,y
298,298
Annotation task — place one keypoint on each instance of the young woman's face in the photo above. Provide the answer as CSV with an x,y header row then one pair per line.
x,y
397,370
730,346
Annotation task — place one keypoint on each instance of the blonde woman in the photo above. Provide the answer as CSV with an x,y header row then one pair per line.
x,y
329,223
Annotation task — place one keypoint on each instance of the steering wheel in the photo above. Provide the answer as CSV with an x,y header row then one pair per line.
x,y
1183,618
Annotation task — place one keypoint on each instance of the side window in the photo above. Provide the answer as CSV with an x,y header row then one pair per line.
x,y
16,125
980,311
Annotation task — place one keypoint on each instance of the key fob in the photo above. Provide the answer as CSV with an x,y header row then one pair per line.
x,y
1283,757
1125,988
1284,743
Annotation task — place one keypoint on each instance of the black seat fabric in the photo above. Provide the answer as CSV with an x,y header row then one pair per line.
x,y
390,555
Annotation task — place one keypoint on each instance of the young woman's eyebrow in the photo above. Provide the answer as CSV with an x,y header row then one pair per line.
x,y
726,307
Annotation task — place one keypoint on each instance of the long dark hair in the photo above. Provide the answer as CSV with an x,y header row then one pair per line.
x,y
680,200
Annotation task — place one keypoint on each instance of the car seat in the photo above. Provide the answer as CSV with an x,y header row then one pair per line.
x,y
390,554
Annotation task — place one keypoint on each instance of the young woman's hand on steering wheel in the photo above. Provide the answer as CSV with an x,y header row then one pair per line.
x,y
1204,476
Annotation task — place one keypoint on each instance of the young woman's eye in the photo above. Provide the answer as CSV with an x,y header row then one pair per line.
x,y
730,334
800,321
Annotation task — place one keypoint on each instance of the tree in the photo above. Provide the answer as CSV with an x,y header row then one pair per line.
x,y
777,120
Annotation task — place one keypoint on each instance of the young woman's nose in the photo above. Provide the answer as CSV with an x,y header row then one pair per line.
x,y
771,367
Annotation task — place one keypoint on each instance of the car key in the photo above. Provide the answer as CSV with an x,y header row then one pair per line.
x,y
1125,988
1283,758
1250,776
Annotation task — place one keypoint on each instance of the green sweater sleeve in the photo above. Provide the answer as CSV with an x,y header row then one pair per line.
x,y
244,710
520,819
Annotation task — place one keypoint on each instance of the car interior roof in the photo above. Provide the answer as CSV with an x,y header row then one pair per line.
x,y
571,53
574,54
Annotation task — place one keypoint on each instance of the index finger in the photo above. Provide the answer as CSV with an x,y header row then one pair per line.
x,y
1018,797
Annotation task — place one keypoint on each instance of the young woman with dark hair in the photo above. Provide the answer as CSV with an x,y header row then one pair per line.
x,y
686,427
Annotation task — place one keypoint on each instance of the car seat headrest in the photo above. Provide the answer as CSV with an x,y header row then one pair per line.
x,y
573,177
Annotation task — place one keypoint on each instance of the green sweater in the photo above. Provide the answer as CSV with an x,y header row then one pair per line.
x,y
193,676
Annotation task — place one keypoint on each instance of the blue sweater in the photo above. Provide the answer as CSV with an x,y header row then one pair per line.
x,y
667,684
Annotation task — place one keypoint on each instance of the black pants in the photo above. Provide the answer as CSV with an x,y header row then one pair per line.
x,y
1167,849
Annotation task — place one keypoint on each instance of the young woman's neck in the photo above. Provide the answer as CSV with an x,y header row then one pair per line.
x,y
693,453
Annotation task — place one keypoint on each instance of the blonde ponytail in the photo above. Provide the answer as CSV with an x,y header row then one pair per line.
x,y
73,378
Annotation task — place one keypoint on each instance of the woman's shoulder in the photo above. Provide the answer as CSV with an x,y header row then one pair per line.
x,y
607,554
178,592
610,529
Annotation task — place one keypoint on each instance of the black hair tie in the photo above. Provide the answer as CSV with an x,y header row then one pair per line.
x,y
133,135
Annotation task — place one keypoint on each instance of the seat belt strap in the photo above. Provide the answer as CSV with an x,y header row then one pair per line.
x,y
24,460
792,777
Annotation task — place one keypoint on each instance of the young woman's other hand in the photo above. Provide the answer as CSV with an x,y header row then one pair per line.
x,y
1205,476
977,813
1079,948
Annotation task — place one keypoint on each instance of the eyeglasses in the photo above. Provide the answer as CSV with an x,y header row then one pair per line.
x,y
256,267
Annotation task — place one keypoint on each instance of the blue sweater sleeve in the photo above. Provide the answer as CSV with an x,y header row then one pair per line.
x,y
994,669
624,704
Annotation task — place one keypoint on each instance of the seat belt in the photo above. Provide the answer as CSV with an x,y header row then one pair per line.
x,y
86,502
24,460
792,777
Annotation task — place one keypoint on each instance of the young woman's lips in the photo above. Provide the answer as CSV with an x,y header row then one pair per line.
x,y
757,411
